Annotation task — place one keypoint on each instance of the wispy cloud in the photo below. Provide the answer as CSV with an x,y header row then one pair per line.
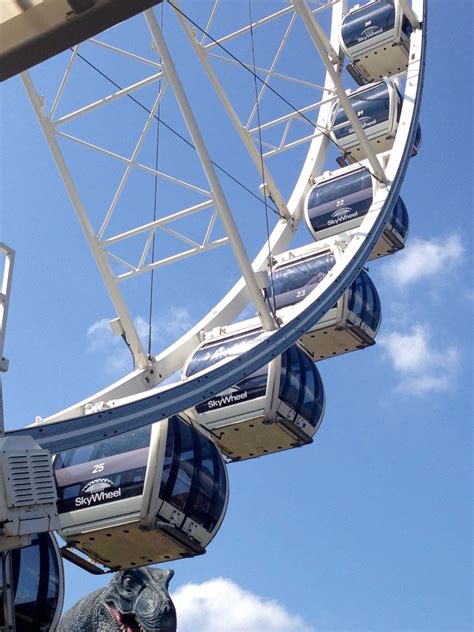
x,y
424,259
422,368
220,605
100,338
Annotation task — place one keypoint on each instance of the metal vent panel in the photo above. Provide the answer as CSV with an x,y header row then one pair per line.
x,y
29,478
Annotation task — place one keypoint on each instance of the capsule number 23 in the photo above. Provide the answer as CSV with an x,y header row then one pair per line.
x,y
98,467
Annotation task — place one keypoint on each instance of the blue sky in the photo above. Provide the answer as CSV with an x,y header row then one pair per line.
x,y
370,528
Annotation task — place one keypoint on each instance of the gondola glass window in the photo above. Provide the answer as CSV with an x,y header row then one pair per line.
x,y
193,475
367,23
37,585
378,108
292,283
364,301
102,472
372,107
339,202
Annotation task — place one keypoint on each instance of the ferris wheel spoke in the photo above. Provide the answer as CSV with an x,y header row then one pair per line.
x,y
245,136
223,208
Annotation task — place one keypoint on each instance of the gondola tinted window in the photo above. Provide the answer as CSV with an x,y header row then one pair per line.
x,y
210,354
372,106
36,585
312,400
340,200
399,218
294,281
193,476
368,22
364,301
290,382
300,385
103,472
253,386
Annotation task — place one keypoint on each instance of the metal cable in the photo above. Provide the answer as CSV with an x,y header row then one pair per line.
x,y
267,85
155,201
262,166
177,134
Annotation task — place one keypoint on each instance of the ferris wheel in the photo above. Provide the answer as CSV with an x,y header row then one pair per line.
x,y
250,163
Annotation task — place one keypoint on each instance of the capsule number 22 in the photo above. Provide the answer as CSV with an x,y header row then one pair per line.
x,y
98,467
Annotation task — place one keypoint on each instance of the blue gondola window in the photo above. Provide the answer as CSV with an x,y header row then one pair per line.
x,y
290,382
399,218
108,470
368,22
35,585
294,282
340,200
372,107
193,478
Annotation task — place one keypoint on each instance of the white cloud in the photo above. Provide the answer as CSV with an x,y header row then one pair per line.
x,y
220,605
422,260
176,321
421,367
100,338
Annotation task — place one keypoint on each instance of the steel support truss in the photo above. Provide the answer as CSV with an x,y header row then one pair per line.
x,y
223,313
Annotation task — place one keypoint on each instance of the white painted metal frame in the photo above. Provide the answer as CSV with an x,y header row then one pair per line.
x,y
223,208
173,398
173,358
5,291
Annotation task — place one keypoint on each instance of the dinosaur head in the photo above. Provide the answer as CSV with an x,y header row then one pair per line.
x,y
139,601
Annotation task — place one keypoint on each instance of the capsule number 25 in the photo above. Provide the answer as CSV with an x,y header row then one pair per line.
x,y
98,467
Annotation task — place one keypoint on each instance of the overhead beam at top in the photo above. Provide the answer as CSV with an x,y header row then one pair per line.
x,y
32,31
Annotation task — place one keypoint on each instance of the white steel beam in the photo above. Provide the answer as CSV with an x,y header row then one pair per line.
x,y
138,165
133,340
131,162
109,98
222,206
314,32
65,79
172,258
246,139
5,290
151,226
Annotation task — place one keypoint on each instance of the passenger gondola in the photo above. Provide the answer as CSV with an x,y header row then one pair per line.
x,y
278,407
150,495
378,108
351,324
37,583
340,201
376,39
